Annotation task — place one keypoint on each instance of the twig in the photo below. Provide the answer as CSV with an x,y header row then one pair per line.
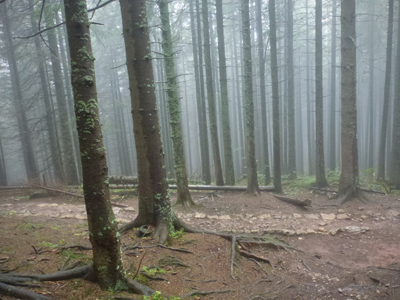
x,y
36,251
79,247
308,268
204,271
140,263
175,249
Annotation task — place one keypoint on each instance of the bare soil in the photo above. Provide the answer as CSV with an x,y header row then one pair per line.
x,y
348,252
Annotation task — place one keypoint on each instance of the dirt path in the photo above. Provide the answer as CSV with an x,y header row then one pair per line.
x,y
340,252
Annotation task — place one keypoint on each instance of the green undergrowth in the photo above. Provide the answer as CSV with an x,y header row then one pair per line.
x,y
157,296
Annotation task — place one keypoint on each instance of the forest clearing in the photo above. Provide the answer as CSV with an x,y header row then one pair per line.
x,y
348,252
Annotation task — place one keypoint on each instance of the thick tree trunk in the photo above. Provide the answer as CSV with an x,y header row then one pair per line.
x,y
261,59
108,269
275,98
386,95
252,181
154,201
228,156
211,97
319,99
348,183
184,197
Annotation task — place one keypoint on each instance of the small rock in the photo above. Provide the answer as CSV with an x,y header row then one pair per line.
x,y
254,231
277,217
353,229
328,217
265,216
129,208
392,213
343,216
301,232
200,216
361,208
340,290
297,216
311,216
311,230
364,217
225,217
322,229
213,217
248,216
387,285
341,211
334,231
322,223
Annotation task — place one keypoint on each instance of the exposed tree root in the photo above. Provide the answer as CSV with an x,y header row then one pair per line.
x,y
20,293
204,293
352,193
6,282
251,255
297,202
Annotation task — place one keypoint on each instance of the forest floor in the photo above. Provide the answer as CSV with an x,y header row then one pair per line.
x,y
347,252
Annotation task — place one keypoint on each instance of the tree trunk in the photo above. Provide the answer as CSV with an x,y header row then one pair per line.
x,y
291,115
3,170
319,100
210,96
332,123
348,183
386,95
69,161
275,98
261,59
252,182
228,156
154,201
184,197
395,174
108,269
31,168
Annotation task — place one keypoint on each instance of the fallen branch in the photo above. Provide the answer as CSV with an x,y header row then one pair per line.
x,y
56,191
364,190
297,202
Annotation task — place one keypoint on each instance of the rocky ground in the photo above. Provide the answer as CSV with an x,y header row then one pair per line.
x,y
347,252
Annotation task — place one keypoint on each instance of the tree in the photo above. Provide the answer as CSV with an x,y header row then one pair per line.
x,y
184,197
228,156
386,95
291,114
348,183
24,131
319,98
210,96
108,270
275,98
395,173
252,181
69,161
200,101
332,123
261,61
154,200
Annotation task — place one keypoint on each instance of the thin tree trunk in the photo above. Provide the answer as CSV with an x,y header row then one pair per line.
x,y
291,115
261,59
319,100
252,181
229,169
386,95
184,197
332,123
210,96
275,98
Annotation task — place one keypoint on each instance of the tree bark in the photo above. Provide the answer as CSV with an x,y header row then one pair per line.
x,y
319,98
291,114
261,59
386,95
210,96
348,183
228,156
275,98
184,197
252,181
108,270
154,201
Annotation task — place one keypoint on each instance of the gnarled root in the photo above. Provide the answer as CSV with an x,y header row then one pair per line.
x,y
20,293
